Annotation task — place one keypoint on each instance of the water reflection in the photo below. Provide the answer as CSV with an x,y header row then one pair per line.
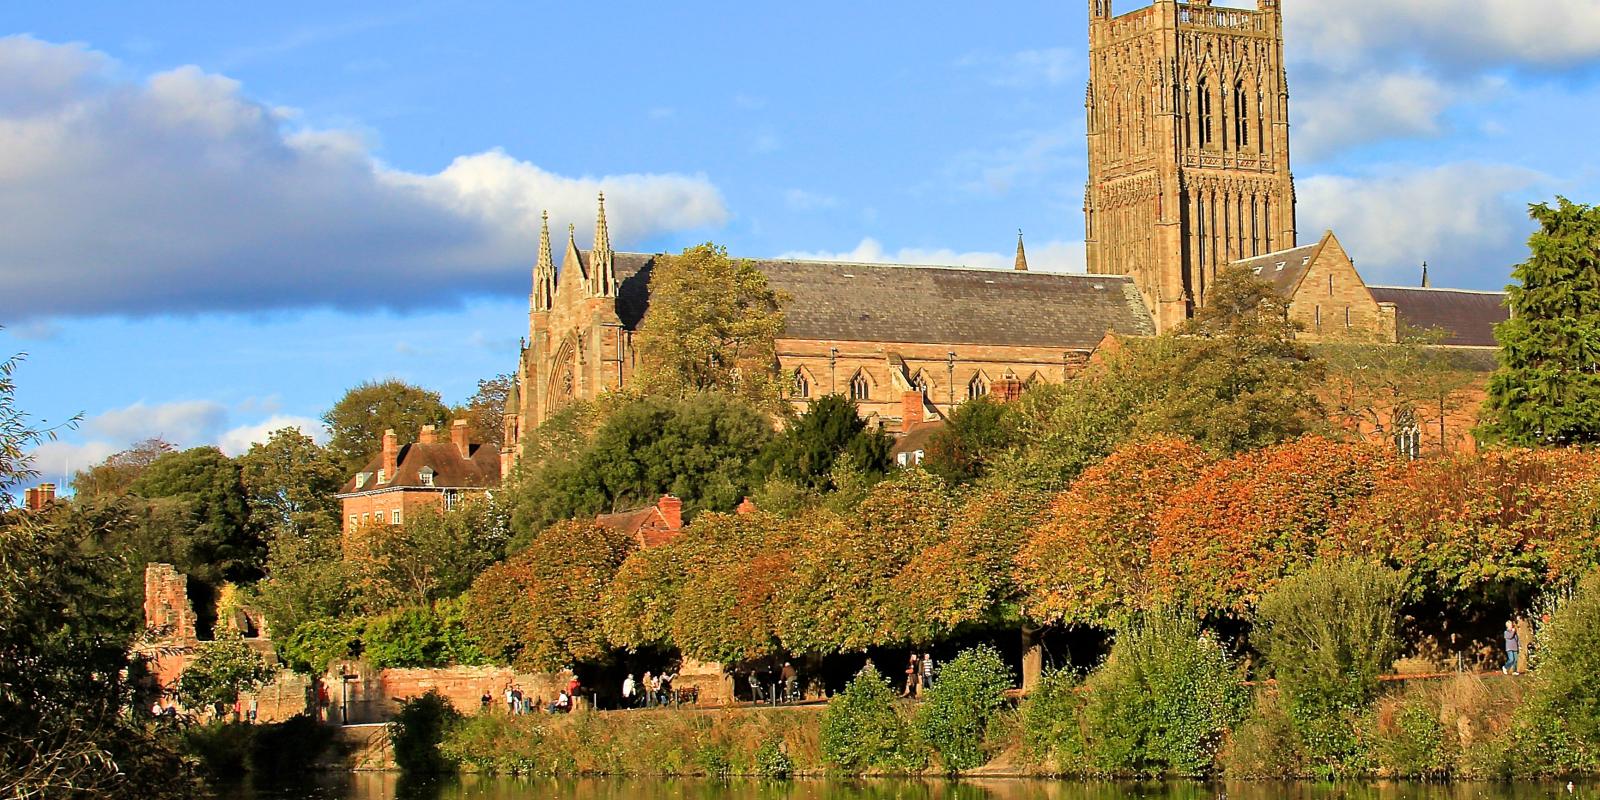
x,y
383,786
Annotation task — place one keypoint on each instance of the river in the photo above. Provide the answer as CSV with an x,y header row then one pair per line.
x,y
390,787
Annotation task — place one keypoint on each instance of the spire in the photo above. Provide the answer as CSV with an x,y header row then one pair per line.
x,y
1425,282
544,271
1022,255
602,266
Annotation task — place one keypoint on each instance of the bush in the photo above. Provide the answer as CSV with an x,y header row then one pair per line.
x,y
862,730
1328,634
316,644
1412,743
220,671
222,748
1163,701
1052,732
417,730
421,637
1265,745
772,760
1568,685
956,713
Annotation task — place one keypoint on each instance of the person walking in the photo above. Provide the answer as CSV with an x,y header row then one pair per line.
x,y
927,671
629,689
913,673
1513,647
647,695
664,692
791,680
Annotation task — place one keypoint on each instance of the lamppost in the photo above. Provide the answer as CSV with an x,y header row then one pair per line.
x,y
952,388
833,370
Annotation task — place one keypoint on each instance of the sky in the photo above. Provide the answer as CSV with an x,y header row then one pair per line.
x,y
216,217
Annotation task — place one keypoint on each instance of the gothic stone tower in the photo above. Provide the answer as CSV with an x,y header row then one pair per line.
x,y
1188,120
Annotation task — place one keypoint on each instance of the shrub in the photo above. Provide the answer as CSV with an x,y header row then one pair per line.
x,y
1265,745
417,730
289,747
420,637
1163,700
862,730
772,760
956,713
220,671
1411,742
1569,665
1328,634
222,748
1052,732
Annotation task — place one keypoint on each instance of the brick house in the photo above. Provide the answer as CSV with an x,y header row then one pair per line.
x,y
426,474
649,526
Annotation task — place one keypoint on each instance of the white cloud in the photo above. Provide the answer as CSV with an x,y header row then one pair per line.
x,y
1398,104
183,194
1027,69
57,461
802,200
237,441
181,422
1031,159
1459,34
1052,256
1466,220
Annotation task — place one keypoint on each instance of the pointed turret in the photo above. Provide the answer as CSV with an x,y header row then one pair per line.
x,y
602,266
1426,284
544,271
1022,255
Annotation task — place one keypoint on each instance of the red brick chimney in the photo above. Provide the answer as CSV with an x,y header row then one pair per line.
x,y
671,509
746,507
911,406
458,437
428,435
37,499
391,455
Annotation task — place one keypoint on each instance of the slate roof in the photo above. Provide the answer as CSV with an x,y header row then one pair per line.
x,y
1463,318
1285,268
917,304
479,471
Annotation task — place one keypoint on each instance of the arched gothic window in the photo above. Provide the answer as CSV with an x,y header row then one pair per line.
x,y
802,386
1408,435
860,386
1203,96
1241,119
922,384
977,387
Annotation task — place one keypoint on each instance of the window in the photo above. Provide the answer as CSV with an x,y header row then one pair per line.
x,y
1347,318
860,386
904,459
1408,435
923,385
917,458
802,387
426,475
977,387
354,521
1318,314
394,517
1330,285
1204,97
381,477
449,500
361,479
366,518
1241,120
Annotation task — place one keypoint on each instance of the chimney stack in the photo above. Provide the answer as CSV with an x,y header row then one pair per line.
x,y
911,411
428,435
39,498
671,509
458,437
391,454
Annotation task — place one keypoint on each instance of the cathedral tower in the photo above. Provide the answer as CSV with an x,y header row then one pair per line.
x,y
1188,123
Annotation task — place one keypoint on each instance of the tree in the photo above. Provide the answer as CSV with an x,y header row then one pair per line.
x,y
114,476
976,433
290,484
1547,390
434,555
713,325
485,411
220,671
356,423
307,582
1247,522
808,449
1233,378
195,510
539,609
1377,392
699,448
1089,561
1069,427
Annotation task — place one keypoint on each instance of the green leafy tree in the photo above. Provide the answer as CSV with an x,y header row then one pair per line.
x,y
197,513
485,410
976,433
808,450
433,555
429,636
713,325
290,484
220,671
114,476
699,448
1547,390
356,423
313,646
308,580
955,714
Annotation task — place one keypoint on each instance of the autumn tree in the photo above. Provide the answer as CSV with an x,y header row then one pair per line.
x,y
538,610
1088,562
1379,392
713,325
290,482
1247,522
728,605
1547,390
356,423
433,555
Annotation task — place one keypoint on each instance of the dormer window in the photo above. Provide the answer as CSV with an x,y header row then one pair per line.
x,y
426,474
382,477
361,479
1281,265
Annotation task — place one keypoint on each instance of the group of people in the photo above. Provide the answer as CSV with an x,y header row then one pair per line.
x,y
518,703
653,690
787,690
919,675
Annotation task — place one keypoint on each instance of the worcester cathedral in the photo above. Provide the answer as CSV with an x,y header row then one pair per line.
x,y
1189,172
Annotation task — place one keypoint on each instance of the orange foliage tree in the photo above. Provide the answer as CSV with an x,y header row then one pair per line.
x,y
1499,523
538,609
1251,520
1088,561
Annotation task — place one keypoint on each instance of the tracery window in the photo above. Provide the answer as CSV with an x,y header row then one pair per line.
x,y
802,386
1241,120
860,386
977,387
922,384
1408,435
1204,102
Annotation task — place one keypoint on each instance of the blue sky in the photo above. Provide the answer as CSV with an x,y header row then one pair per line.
x,y
214,218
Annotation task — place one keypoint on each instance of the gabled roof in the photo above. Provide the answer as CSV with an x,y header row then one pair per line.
x,y
648,526
926,304
1285,268
481,470
1460,317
